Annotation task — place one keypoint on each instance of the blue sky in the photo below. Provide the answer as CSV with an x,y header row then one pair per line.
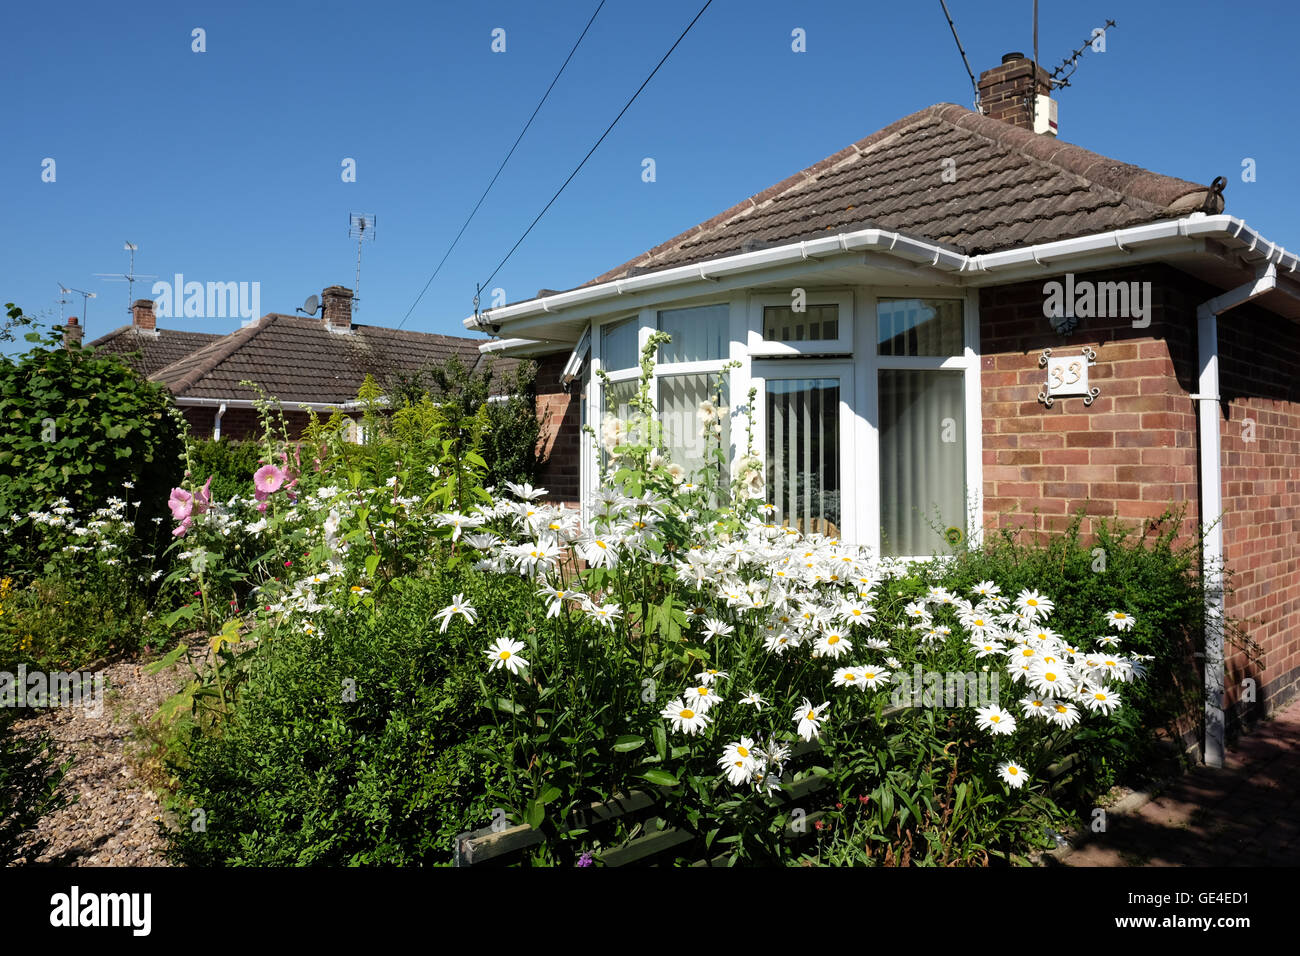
x,y
225,165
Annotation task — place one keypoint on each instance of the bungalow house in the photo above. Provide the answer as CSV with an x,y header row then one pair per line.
x,y
960,323
300,360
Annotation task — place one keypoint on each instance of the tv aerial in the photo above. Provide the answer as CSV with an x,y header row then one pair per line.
x,y
361,226
85,299
129,277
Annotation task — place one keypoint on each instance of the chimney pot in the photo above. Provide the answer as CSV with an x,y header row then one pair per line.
x,y
142,315
1009,57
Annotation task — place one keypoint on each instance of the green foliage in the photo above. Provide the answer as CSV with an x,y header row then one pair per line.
x,y
230,464
1154,576
300,775
78,425
509,427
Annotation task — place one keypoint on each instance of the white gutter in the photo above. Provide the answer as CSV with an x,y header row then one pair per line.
x,y
976,270
1207,406
223,403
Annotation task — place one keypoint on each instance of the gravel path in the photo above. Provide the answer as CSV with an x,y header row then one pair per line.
x,y
111,818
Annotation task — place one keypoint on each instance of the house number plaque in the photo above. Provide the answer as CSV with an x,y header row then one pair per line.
x,y
1067,375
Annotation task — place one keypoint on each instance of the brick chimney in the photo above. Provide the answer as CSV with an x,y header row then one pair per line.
x,y
1012,93
72,332
336,308
142,316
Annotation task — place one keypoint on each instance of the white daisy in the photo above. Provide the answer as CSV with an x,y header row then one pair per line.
x,y
1119,620
1012,774
757,702
458,606
702,697
1063,714
1100,700
995,720
685,719
505,653
848,677
809,718
1034,604
832,644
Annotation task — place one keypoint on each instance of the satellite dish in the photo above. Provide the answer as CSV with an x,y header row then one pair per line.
x,y
311,305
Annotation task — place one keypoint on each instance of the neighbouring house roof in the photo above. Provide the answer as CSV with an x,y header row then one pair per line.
x,y
1012,188
157,349
298,359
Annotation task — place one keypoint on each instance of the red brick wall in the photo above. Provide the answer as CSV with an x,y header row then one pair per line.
x,y
238,424
560,444
1260,433
1135,450
1128,455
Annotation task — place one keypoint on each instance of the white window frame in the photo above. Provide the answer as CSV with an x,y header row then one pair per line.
x,y
856,349
760,347
845,369
870,364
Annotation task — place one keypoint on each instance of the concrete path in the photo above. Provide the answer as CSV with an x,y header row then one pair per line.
x,y
1245,814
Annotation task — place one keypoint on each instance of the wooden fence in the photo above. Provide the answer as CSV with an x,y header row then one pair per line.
x,y
651,839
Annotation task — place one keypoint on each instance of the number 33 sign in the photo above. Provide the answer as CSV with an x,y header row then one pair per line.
x,y
1067,375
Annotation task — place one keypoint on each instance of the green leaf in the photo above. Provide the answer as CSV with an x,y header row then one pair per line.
x,y
172,657
372,562
627,743
548,795
534,814
660,736
660,778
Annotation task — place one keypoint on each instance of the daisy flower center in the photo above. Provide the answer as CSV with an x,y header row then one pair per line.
x,y
504,655
687,714
742,751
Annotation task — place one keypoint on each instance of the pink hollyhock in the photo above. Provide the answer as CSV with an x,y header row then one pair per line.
x,y
183,527
181,503
204,497
268,480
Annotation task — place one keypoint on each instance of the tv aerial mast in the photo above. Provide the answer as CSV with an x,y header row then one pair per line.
x,y
129,277
85,300
361,226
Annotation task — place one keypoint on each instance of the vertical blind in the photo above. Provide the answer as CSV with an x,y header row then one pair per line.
x,y
803,452
922,459
701,334
919,327
680,398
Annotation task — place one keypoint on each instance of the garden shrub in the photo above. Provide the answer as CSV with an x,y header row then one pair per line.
x,y
82,426
1151,573
302,775
230,465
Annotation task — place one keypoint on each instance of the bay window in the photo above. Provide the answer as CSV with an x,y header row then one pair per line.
x,y
876,443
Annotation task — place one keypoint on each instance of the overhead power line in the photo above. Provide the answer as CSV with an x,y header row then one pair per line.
x,y
973,85
502,166
608,129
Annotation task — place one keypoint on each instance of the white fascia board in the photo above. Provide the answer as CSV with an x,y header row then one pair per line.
x,y
1117,245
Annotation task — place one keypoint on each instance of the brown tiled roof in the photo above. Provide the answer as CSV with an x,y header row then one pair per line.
x,y
156,352
297,359
1012,188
